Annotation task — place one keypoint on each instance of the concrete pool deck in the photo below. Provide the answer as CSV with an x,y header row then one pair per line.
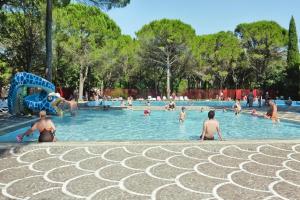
x,y
151,170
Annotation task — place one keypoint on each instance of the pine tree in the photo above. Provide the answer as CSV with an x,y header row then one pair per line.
x,y
293,61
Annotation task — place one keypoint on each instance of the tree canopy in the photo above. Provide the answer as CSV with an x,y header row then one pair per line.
x,y
80,32
265,43
165,46
165,56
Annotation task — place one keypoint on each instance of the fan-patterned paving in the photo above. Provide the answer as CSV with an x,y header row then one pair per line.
x,y
151,171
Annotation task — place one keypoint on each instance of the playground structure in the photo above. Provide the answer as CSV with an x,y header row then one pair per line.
x,y
44,99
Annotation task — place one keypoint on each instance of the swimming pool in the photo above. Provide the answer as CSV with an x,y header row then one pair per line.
x,y
96,125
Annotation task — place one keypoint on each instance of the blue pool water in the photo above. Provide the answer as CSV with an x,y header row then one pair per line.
x,y
95,125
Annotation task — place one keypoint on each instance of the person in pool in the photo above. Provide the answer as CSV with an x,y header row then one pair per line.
x,y
254,113
210,127
237,107
147,112
182,115
45,127
272,112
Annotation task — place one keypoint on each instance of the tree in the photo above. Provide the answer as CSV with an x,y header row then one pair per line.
x,y
84,30
164,45
265,43
5,74
21,36
292,85
118,62
103,4
219,54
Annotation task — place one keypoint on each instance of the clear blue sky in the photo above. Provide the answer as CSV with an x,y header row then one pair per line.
x,y
206,16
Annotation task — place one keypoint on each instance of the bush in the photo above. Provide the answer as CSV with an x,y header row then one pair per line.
x,y
119,92
183,86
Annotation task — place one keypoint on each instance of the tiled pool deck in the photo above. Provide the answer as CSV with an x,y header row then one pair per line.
x,y
267,170
151,170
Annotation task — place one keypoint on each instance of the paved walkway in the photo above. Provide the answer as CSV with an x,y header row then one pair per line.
x,y
131,170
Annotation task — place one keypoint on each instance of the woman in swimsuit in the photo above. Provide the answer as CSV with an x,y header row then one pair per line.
x,y
45,127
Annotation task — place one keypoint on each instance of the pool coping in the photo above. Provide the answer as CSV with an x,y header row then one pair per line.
x,y
145,142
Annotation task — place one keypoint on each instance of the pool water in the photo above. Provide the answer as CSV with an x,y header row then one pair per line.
x,y
96,125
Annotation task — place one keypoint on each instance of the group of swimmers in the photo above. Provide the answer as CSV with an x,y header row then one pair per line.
x,y
210,126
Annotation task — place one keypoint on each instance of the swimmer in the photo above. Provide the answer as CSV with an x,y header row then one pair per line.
x,y
237,107
254,113
224,109
147,112
172,105
210,127
182,115
72,105
201,109
45,127
122,103
272,112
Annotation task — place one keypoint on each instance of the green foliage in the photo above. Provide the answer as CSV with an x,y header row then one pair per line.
x,y
118,62
119,92
218,54
5,74
166,56
293,50
293,59
21,36
265,43
80,32
165,49
183,86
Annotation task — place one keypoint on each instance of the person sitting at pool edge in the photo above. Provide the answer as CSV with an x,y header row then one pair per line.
x,y
210,127
182,115
45,127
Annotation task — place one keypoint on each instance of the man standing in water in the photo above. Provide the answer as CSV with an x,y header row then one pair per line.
x,y
272,113
210,127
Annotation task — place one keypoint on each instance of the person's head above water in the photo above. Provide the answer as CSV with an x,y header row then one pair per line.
x,y
43,114
183,108
211,114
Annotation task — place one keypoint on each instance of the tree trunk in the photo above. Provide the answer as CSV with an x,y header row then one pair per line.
x,y
168,78
82,77
49,40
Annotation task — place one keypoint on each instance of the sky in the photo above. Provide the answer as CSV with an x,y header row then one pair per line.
x,y
205,16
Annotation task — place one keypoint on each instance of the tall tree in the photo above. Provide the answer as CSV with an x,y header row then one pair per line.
x,y
21,36
102,4
164,44
293,61
265,43
219,54
118,62
85,30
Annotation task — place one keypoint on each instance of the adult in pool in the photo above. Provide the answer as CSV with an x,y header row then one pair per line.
x,y
46,128
272,112
210,127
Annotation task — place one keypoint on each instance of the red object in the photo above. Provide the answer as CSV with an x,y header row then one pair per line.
x,y
255,93
146,112
238,94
